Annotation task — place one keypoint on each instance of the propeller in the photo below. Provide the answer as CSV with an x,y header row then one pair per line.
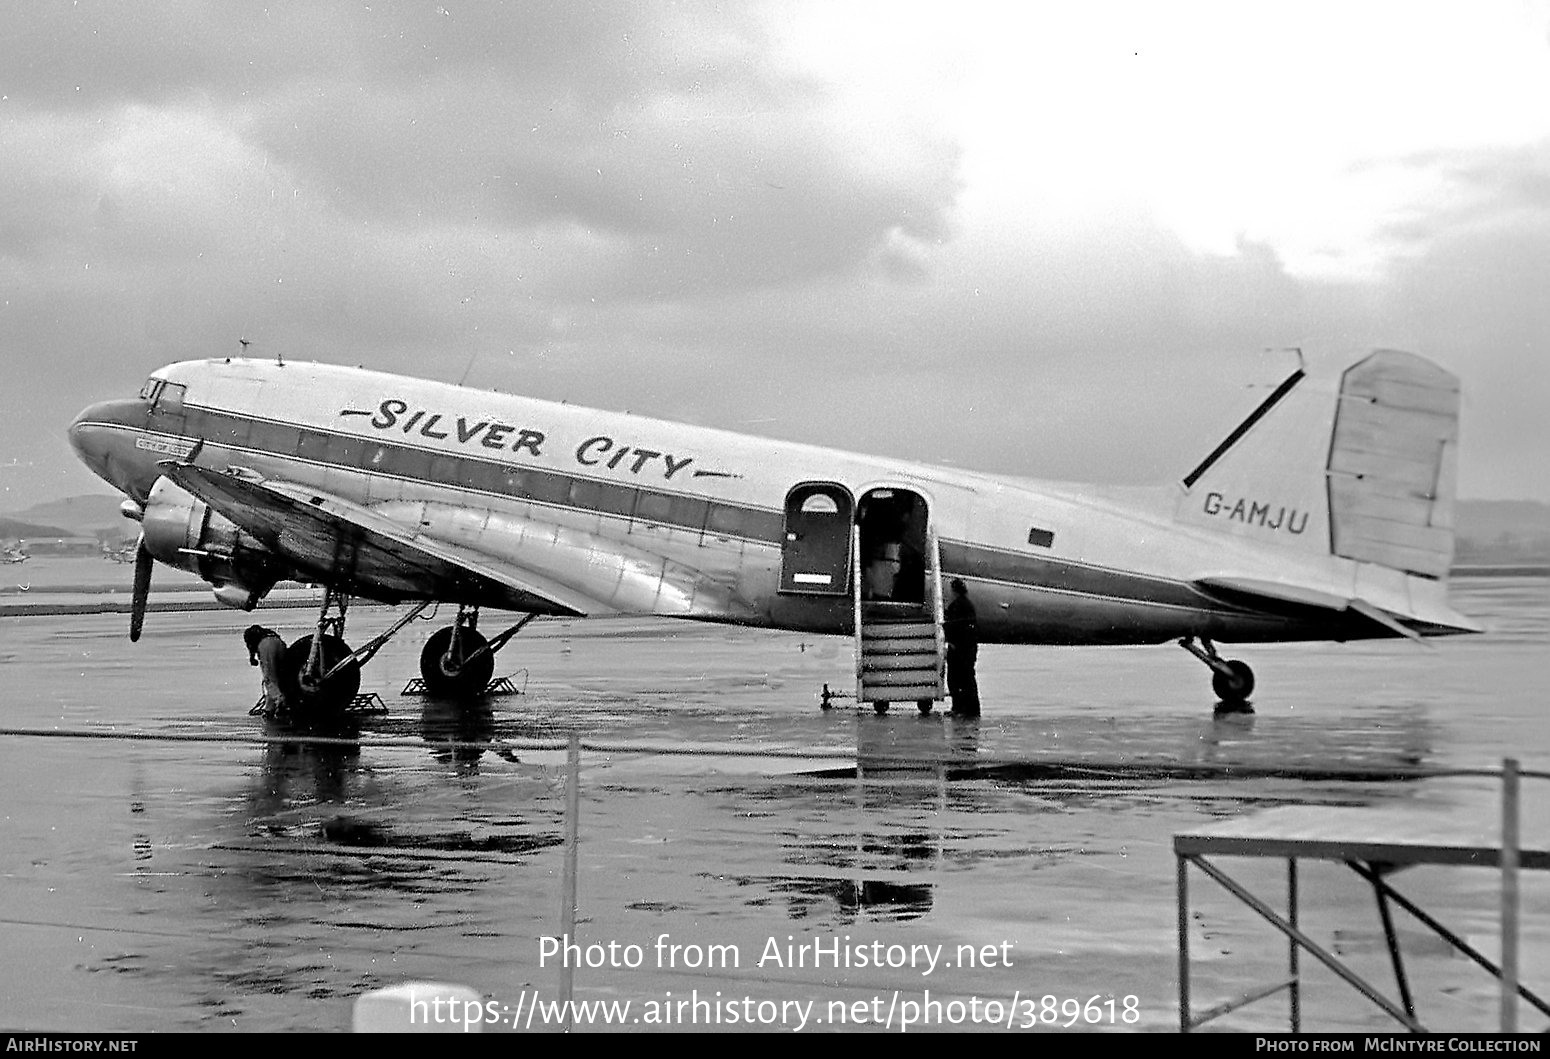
x,y
144,561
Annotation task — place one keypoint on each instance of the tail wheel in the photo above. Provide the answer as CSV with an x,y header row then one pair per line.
x,y
454,678
1236,686
310,696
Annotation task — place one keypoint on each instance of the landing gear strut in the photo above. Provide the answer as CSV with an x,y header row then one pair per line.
x,y
458,661
1232,680
322,674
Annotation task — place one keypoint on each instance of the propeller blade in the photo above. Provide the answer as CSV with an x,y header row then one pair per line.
x,y
144,561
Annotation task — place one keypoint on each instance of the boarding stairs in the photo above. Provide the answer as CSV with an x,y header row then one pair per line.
x,y
899,645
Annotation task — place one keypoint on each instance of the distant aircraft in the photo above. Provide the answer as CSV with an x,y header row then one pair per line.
x,y
1327,514
13,553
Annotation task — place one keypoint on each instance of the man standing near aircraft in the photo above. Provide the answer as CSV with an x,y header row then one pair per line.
x,y
963,645
266,650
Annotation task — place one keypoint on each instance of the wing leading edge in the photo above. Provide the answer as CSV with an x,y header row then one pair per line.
x,y
337,542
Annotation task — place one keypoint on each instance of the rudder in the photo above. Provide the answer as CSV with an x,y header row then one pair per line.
x,y
1393,464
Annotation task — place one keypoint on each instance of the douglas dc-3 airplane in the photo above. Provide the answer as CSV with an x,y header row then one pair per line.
x,y
1326,515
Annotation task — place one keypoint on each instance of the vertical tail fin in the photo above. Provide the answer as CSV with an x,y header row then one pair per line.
x,y
1366,473
1265,481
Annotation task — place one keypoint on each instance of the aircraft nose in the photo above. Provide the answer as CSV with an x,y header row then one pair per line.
x,y
86,433
96,432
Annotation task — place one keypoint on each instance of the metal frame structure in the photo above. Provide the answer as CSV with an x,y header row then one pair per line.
x,y
1376,843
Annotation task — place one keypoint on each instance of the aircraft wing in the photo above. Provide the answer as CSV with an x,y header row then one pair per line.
x,y
362,551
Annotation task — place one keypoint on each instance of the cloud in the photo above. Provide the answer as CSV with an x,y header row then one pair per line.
x,y
816,222
676,150
1475,296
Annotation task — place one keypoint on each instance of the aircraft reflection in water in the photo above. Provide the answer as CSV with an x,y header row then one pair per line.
x,y
457,732
298,772
1326,515
319,790
898,793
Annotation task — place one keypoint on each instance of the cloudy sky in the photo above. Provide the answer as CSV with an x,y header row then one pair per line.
x,y
1046,239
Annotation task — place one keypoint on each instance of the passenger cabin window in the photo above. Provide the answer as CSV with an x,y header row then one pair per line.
x,y
312,445
343,451
726,519
586,494
653,507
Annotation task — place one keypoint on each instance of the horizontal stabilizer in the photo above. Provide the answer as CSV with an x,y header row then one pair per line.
x,y
1275,596
1276,590
1372,613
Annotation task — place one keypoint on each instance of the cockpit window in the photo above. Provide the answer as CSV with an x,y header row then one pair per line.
x,y
170,399
148,391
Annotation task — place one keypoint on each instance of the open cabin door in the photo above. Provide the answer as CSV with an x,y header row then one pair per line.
x,y
815,554
899,639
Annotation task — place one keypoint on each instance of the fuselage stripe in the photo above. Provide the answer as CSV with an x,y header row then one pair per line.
x,y
569,492
413,463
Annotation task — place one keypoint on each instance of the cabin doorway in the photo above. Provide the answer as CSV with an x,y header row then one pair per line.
x,y
893,540
815,554
899,642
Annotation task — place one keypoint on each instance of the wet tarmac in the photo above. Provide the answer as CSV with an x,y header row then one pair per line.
x,y
213,881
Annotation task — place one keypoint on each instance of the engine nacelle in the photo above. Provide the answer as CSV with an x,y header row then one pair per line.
x,y
182,531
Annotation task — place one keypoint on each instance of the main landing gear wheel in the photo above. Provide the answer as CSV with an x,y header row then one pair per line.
x,y
924,706
312,697
879,708
1235,687
453,678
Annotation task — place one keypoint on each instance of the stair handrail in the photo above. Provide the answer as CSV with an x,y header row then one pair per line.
x,y
934,583
855,599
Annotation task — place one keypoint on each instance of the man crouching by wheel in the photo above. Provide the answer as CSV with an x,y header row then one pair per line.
x,y
266,650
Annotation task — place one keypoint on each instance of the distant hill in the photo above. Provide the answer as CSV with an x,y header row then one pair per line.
x,y
94,515
1480,518
1496,531
15,528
